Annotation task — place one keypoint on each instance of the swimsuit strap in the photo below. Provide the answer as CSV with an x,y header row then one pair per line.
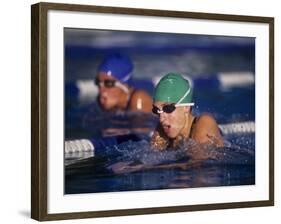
x,y
192,126
129,100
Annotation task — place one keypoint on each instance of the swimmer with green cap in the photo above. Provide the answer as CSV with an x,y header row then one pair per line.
x,y
173,104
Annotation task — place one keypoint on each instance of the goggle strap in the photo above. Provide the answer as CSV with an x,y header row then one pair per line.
x,y
184,104
121,86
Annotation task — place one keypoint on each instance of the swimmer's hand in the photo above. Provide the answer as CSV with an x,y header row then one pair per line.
x,y
128,167
125,167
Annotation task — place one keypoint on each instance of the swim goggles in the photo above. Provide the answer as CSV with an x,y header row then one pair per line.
x,y
169,108
109,83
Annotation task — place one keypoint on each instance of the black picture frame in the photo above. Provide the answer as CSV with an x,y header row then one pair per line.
x,y
39,109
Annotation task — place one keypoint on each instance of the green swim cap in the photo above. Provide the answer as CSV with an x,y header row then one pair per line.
x,y
173,88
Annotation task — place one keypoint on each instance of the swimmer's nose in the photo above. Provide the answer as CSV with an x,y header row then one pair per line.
x,y
102,90
162,117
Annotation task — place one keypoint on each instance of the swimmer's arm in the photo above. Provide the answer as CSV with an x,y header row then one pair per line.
x,y
140,101
206,131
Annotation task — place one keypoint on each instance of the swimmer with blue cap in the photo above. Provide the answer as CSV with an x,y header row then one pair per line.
x,y
172,103
115,93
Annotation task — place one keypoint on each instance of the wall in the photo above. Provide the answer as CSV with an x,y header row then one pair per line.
x,y
15,111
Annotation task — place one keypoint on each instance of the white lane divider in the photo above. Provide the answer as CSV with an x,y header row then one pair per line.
x,y
236,128
236,79
88,90
79,145
85,145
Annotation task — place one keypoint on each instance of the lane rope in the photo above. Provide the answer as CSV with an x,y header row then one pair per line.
x,y
87,90
86,145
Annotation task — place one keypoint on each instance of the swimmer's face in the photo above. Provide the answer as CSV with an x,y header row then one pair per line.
x,y
172,123
109,97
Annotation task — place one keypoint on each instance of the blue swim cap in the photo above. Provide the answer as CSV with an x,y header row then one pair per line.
x,y
117,65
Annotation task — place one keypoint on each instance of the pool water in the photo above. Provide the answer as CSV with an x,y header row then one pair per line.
x,y
132,165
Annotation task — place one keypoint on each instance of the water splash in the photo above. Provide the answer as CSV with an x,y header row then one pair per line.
x,y
135,166
136,156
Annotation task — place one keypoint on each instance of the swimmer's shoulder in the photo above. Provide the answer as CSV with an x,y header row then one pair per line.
x,y
139,93
140,101
206,129
205,119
